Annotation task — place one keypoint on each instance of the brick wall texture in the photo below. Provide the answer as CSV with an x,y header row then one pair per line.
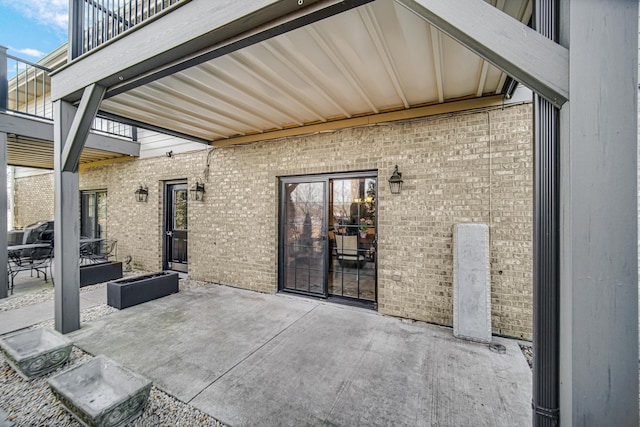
x,y
474,167
33,200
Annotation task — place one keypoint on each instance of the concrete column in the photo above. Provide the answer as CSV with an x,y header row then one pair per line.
x,y
67,227
3,214
598,196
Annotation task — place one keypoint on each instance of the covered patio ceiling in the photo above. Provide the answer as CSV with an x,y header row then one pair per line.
x,y
376,58
38,153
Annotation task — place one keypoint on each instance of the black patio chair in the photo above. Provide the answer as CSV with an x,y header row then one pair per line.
x,y
38,260
99,251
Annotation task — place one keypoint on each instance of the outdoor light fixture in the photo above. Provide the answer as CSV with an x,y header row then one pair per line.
x,y
197,190
142,193
395,182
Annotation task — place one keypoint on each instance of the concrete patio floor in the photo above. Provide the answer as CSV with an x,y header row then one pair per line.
x,y
253,359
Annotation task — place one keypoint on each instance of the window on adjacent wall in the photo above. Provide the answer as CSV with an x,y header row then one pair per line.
x,y
93,214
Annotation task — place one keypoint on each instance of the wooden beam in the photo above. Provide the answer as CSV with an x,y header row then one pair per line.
x,y
599,216
80,126
42,130
511,46
66,258
112,144
392,116
194,32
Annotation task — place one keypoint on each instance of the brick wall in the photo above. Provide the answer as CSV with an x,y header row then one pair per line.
x,y
463,168
33,199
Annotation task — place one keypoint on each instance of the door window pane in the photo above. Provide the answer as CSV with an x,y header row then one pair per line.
x,y
93,214
304,253
180,210
352,237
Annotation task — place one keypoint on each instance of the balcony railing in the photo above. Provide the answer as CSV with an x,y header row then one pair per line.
x,y
25,89
94,22
28,88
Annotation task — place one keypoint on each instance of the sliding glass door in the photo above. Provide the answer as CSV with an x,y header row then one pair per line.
x,y
328,236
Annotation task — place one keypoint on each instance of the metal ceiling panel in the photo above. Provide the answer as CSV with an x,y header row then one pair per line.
x,y
36,153
374,58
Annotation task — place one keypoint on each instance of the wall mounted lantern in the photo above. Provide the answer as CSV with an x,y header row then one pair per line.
x,y
395,182
197,190
142,193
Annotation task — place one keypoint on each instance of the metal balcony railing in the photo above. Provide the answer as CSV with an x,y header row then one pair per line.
x,y
94,22
25,89
28,88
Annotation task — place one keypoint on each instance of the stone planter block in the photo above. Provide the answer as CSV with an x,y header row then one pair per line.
x,y
471,283
101,272
101,393
131,291
35,352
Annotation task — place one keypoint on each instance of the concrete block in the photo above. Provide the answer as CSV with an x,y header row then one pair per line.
x,y
35,352
471,283
101,393
131,291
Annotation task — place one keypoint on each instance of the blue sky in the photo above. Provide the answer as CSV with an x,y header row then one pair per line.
x,y
33,28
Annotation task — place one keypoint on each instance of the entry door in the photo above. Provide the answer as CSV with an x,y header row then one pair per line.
x,y
176,227
303,237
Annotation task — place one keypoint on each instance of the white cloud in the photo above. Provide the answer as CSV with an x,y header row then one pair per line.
x,y
34,53
53,14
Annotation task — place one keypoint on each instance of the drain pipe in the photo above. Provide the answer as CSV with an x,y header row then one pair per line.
x,y
546,243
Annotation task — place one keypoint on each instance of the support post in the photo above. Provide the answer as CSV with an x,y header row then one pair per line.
x,y
76,29
4,81
67,227
79,130
3,215
598,209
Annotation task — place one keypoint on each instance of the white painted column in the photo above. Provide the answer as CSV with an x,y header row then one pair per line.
x,y
67,227
598,196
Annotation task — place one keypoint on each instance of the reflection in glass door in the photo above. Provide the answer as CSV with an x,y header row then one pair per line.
x,y
328,236
352,236
303,237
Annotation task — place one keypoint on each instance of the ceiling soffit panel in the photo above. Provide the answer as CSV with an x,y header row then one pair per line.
x,y
376,58
36,153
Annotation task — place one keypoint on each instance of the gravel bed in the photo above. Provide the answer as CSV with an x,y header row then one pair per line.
x,y
24,300
527,351
31,403
43,295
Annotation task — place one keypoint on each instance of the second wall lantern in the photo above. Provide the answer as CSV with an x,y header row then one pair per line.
x,y
142,193
197,190
395,182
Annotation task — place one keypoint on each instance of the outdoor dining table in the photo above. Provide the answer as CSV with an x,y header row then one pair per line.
x,y
15,251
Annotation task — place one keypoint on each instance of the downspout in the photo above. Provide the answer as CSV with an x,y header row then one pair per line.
x,y
546,242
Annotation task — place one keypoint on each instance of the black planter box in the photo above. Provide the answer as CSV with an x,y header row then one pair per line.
x,y
101,272
131,291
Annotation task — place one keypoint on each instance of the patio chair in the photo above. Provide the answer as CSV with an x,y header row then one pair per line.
x,y
100,251
347,251
38,260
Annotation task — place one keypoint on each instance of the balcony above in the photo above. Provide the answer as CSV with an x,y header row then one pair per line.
x,y
26,116
227,72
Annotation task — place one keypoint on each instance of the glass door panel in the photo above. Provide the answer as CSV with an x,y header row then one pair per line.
x,y
303,237
176,228
353,238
